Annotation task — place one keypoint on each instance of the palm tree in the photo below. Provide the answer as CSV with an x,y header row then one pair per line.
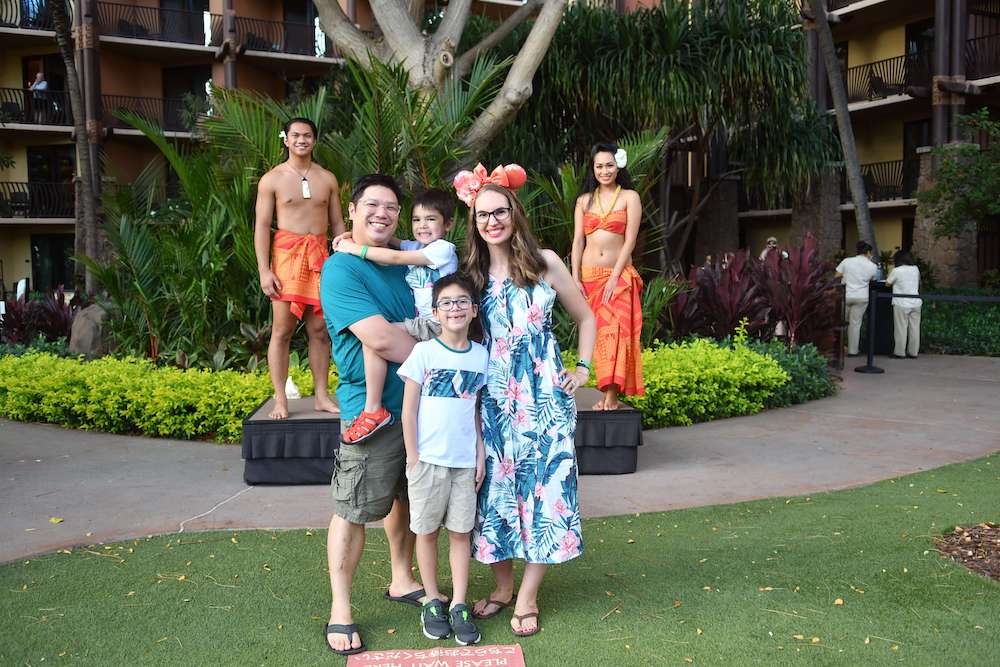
x,y
719,74
821,24
88,240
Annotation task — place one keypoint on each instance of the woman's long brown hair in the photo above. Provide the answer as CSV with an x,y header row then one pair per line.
x,y
526,262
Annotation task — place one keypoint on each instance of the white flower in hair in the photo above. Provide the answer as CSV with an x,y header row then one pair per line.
x,y
282,134
621,158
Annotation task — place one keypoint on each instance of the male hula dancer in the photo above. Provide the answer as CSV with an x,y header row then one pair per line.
x,y
306,199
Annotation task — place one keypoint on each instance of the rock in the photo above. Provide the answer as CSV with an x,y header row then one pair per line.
x,y
87,335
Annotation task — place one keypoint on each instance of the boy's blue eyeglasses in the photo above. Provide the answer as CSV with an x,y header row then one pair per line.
x,y
461,303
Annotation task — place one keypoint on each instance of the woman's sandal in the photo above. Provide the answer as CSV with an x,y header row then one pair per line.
x,y
348,631
521,618
499,604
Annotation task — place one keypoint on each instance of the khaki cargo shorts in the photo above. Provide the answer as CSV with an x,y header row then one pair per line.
x,y
441,496
368,476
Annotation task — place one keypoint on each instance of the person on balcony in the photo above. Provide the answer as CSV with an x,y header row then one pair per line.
x,y
39,98
856,272
606,224
305,199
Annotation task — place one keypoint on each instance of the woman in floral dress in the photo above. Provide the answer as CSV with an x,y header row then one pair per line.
x,y
528,506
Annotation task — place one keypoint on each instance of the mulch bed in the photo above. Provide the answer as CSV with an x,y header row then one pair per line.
x,y
977,548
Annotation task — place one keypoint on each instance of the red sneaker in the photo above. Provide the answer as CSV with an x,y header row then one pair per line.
x,y
366,424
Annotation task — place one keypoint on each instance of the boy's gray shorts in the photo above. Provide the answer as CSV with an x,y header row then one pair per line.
x,y
441,496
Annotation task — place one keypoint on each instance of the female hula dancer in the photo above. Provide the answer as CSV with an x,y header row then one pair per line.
x,y
607,219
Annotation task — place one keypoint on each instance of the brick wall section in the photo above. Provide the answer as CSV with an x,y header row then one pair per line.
x,y
818,213
718,227
953,259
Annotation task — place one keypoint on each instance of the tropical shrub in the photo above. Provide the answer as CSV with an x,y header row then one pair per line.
x,y
806,366
134,396
801,291
699,380
48,316
950,327
57,347
728,295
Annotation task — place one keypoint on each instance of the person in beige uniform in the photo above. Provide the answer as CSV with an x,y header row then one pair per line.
x,y
306,199
905,279
856,272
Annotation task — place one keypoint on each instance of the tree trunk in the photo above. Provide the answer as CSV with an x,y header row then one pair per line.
x,y
851,163
87,236
431,59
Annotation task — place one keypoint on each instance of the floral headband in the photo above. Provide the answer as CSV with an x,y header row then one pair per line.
x,y
468,183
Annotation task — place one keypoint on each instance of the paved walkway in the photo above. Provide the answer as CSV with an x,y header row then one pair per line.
x,y
920,414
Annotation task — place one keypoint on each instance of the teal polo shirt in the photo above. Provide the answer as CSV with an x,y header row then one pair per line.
x,y
350,290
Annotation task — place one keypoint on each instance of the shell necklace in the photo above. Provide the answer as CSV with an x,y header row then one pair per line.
x,y
306,193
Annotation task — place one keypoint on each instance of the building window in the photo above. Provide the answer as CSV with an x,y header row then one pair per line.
x,y
51,261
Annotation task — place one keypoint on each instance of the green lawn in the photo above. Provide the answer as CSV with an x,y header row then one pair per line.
x,y
752,583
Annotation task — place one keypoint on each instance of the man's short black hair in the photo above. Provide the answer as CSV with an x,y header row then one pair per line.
x,y
437,200
371,180
457,279
306,121
863,247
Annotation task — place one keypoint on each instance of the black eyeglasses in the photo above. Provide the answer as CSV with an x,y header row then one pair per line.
x,y
461,303
500,214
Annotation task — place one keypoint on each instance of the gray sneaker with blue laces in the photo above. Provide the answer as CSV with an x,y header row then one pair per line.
x,y
465,630
434,620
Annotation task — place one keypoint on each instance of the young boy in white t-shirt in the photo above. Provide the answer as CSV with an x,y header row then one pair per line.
x,y
445,454
429,257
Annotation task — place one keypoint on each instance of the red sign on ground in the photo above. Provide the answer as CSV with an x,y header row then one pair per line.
x,y
507,655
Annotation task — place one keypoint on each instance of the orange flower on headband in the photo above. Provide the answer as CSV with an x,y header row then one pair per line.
x,y
468,183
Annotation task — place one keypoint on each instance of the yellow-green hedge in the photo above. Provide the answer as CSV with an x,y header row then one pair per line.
x,y
133,396
697,381
686,382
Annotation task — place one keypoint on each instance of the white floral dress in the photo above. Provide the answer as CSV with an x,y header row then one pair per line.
x,y
528,505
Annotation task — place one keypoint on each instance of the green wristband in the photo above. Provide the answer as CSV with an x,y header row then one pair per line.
x,y
585,364
364,251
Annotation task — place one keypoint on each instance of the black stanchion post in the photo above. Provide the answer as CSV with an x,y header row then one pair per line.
x,y
870,367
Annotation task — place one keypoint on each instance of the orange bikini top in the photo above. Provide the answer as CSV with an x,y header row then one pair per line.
x,y
614,222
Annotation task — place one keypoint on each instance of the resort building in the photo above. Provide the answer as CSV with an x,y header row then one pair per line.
x,y
894,55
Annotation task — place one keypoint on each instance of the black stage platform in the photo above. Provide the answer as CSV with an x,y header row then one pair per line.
x,y
302,448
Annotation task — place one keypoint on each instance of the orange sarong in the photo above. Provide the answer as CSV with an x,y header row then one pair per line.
x,y
617,352
297,260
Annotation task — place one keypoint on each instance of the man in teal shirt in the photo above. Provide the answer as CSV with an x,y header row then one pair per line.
x,y
360,299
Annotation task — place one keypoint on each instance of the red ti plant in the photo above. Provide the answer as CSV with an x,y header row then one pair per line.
x,y
686,319
727,295
802,292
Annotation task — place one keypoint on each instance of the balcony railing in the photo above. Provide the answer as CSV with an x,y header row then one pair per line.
x,y
28,14
36,200
306,39
163,25
982,57
35,107
167,113
885,181
892,76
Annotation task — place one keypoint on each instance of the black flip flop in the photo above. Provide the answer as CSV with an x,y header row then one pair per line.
x,y
412,599
348,631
